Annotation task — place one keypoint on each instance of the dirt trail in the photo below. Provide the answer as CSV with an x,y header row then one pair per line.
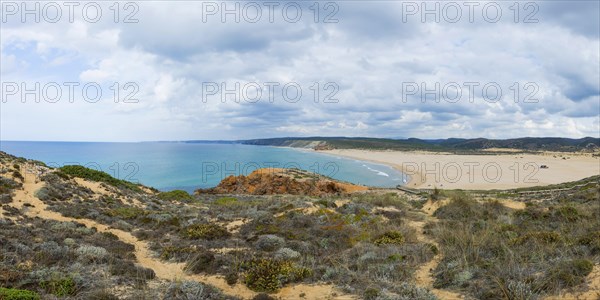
x,y
431,206
423,276
163,270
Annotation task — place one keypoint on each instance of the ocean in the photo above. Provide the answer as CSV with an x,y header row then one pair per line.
x,y
189,166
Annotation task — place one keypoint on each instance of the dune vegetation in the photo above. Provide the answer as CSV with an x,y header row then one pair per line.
x,y
108,239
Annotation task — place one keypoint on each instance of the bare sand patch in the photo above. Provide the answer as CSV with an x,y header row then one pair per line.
x,y
387,208
431,206
512,203
100,190
340,203
235,225
95,187
312,292
305,210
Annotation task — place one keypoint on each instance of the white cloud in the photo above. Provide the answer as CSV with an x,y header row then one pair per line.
x,y
368,55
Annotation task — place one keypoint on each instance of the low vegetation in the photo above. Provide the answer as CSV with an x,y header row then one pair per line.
x,y
15,294
94,175
365,244
492,252
269,275
176,195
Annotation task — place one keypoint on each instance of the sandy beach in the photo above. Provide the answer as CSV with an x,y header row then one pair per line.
x,y
482,172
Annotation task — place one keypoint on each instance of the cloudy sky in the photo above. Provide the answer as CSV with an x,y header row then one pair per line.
x,y
363,68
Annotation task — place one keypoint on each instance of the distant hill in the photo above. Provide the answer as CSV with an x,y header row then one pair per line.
x,y
451,144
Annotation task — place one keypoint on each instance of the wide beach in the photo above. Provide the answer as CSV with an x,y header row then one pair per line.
x,y
482,172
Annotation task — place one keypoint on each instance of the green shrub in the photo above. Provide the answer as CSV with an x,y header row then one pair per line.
x,y
176,195
389,238
206,231
14,294
94,175
226,201
170,252
267,275
60,286
62,175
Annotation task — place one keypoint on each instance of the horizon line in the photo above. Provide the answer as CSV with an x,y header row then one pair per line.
x,y
290,137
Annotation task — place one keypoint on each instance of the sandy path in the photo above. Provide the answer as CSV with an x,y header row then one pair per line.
x,y
481,172
163,270
423,276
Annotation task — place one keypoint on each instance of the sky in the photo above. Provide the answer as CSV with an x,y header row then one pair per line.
x,y
189,70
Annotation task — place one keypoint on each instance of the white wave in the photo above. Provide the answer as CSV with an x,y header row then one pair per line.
x,y
380,173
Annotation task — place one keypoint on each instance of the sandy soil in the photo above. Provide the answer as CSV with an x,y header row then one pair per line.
x,y
512,203
145,257
94,186
481,172
99,189
311,209
235,225
423,275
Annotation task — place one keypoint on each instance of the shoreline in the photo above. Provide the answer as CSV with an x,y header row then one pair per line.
x,y
381,164
428,170
415,178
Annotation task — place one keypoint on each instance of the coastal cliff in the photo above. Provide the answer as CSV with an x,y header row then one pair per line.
x,y
281,181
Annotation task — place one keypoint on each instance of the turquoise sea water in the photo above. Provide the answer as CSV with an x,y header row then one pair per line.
x,y
188,166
